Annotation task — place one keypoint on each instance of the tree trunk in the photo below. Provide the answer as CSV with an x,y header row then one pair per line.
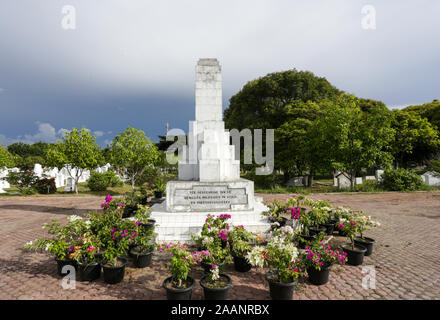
x,y
310,178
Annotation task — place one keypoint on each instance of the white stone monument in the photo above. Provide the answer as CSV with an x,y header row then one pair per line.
x,y
209,175
431,178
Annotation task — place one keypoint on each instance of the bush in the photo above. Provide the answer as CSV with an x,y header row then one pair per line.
x,y
98,181
113,179
401,180
24,180
46,186
101,181
369,186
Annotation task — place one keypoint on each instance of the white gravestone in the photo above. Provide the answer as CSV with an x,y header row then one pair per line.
x,y
379,174
431,178
358,180
70,185
209,175
38,170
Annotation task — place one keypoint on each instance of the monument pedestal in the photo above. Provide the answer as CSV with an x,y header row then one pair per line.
x,y
178,226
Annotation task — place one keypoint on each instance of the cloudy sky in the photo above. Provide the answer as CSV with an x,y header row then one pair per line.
x,y
131,63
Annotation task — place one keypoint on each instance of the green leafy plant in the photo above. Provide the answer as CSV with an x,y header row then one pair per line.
x,y
278,256
180,263
401,180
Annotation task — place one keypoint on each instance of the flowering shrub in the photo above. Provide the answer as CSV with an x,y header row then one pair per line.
x,y
215,230
240,240
111,205
322,256
181,261
86,248
63,238
278,256
366,223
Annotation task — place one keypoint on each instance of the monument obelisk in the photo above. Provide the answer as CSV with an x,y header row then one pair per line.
x,y
209,175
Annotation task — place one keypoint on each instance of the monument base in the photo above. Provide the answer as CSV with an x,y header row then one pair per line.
x,y
178,226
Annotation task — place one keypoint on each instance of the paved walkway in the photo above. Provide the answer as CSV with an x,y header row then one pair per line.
x,y
406,257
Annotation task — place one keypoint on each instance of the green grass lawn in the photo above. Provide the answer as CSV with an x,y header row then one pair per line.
x,y
83,190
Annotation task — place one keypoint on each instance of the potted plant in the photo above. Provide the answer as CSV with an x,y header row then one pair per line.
x,y
87,258
217,255
62,241
365,223
159,187
240,240
276,209
144,246
179,285
355,252
117,241
215,230
279,257
319,259
143,217
215,285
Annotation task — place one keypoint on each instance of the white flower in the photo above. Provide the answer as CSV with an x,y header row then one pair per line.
x,y
73,218
29,243
215,273
207,240
48,246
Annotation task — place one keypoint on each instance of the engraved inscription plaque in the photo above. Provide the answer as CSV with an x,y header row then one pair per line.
x,y
203,197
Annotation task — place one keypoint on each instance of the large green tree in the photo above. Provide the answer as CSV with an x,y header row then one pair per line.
x,y
351,139
416,139
132,152
6,159
430,111
288,102
77,149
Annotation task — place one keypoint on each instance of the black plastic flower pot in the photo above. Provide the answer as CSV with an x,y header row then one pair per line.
x,y
65,262
329,228
308,238
241,264
150,224
216,293
129,211
114,274
158,194
355,256
367,243
280,290
178,293
207,267
89,272
317,230
141,260
319,277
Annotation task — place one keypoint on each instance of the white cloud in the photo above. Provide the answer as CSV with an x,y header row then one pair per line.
x,y
46,132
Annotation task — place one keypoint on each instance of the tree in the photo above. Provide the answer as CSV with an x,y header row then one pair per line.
x,y
77,151
430,111
351,139
416,139
132,152
288,102
6,159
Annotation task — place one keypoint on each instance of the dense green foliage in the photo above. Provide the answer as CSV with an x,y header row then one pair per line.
x,y
6,159
101,181
133,152
429,111
78,149
401,180
319,129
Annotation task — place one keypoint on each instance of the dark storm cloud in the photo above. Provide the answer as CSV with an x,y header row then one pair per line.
x,y
132,62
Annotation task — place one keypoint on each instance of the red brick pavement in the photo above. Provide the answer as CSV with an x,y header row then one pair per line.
x,y
406,256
